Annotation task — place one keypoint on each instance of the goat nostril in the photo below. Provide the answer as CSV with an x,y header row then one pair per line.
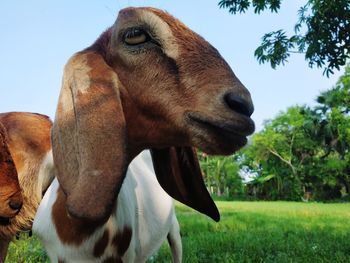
x,y
15,205
239,104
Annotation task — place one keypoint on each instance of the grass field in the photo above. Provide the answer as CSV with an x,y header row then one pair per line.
x,y
248,232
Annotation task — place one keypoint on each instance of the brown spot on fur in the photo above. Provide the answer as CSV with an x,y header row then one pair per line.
x,y
122,240
70,230
101,244
61,261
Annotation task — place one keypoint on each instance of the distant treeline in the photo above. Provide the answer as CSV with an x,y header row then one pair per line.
x,y
302,154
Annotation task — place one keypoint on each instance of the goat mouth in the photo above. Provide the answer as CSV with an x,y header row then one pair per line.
x,y
4,221
220,137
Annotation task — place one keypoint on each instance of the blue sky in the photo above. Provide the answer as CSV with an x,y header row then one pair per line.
x,y
38,37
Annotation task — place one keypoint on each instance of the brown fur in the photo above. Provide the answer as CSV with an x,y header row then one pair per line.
x,y
69,229
94,108
29,142
10,191
122,240
101,244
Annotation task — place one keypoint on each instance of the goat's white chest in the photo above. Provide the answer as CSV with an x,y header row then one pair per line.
x,y
142,219
94,248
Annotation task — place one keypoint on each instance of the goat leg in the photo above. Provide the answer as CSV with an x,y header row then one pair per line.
x,y
4,244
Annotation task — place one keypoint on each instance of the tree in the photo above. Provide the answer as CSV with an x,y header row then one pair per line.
x,y
221,175
304,150
338,96
335,111
322,32
281,151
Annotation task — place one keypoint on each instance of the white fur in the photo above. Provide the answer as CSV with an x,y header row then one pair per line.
x,y
142,205
162,30
46,174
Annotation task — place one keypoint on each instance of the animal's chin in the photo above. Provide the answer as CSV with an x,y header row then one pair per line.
x,y
214,137
223,144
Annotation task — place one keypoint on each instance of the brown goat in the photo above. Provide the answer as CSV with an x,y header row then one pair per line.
x,y
28,140
10,191
118,98
147,82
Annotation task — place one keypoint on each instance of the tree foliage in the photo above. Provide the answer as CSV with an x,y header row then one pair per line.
x,y
322,32
338,96
304,150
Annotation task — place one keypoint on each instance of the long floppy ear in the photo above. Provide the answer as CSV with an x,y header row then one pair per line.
x,y
7,164
88,137
178,172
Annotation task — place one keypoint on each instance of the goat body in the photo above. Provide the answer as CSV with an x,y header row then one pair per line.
x,y
142,219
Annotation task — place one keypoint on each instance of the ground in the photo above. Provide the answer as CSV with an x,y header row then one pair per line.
x,y
248,232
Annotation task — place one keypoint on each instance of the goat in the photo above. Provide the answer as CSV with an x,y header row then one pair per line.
x,y
147,82
10,192
28,141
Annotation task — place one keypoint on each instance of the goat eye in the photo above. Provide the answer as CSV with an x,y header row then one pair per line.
x,y
135,36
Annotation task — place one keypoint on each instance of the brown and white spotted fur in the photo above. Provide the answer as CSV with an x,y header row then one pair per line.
x,y
148,82
29,140
30,147
142,219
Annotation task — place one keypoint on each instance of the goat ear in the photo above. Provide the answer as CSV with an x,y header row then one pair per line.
x,y
88,137
178,172
5,155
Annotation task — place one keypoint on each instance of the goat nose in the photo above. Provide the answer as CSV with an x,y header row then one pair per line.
x,y
238,104
15,204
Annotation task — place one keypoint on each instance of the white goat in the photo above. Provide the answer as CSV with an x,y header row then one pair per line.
x,y
144,214
148,82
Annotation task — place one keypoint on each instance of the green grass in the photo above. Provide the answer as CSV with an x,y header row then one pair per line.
x,y
26,250
249,232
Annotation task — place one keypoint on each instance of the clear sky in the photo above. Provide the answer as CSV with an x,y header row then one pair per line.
x,y
38,37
